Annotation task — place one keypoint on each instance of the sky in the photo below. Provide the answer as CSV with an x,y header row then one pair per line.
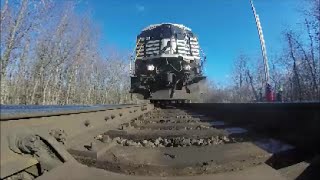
x,y
225,28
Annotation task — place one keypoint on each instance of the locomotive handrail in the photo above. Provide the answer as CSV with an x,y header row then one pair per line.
x,y
138,50
131,71
202,61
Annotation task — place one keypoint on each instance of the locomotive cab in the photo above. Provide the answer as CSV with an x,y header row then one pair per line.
x,y
167,60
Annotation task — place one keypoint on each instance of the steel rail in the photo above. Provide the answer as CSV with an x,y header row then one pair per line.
x,y
24,115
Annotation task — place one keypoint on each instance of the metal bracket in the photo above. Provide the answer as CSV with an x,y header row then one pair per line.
x,y
44,148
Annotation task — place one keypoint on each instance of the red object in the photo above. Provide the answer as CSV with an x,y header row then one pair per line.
x,y
269,93
269,96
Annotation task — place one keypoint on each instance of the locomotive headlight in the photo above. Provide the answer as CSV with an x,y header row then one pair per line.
x,y
150,67
187,67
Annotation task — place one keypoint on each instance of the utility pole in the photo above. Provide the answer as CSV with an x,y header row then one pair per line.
x,y
268,88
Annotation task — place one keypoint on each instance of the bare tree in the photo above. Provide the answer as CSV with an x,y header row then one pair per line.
x,y
18,20
59,61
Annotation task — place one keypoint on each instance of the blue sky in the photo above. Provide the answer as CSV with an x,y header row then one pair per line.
x,y
225,28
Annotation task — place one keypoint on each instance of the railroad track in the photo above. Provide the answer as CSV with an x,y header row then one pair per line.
x,y
203,141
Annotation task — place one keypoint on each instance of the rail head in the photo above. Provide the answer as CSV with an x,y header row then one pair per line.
x,y
16,115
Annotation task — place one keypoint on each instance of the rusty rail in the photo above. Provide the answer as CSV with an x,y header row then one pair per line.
x,y
69,127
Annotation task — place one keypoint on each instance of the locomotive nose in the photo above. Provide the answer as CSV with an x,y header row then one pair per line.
x,y
167,61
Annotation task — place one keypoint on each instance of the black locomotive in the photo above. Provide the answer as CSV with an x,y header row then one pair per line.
x,y
168,63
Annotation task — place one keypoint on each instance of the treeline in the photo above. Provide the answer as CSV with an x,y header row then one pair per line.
x,y
294,73
50,55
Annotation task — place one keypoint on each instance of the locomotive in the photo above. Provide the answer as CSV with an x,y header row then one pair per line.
x,y
168,63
